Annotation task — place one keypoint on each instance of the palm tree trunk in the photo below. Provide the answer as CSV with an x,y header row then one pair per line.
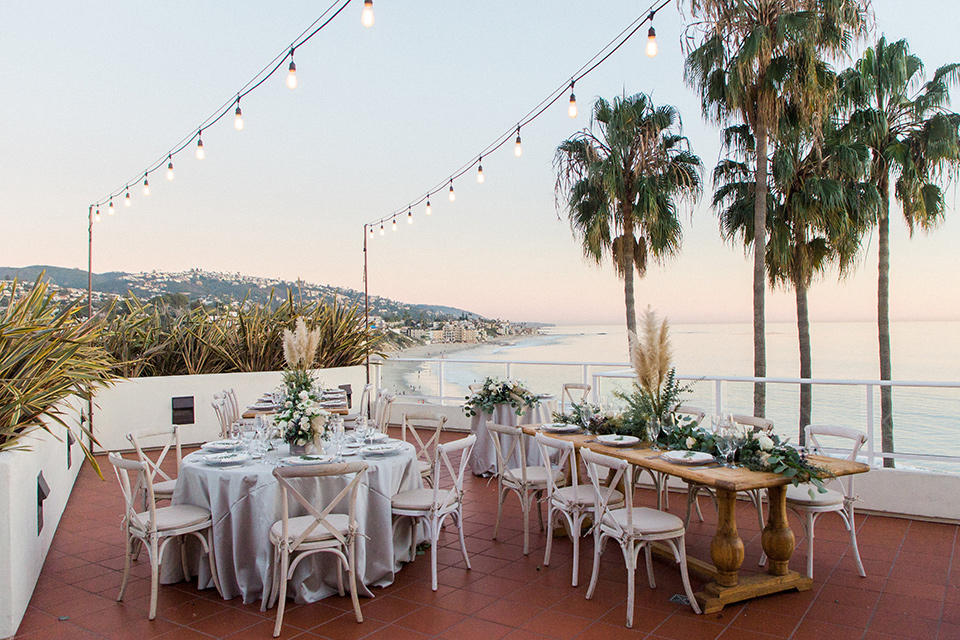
x,y
803,332
883,320
759,274
626,260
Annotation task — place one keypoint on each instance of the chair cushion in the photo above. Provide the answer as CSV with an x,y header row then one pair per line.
x,y
417,500
535,476
164,488
296,526
176,516
645,520
800,496
585,495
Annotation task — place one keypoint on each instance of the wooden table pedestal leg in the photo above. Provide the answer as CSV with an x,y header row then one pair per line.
x,y
777,538
726,549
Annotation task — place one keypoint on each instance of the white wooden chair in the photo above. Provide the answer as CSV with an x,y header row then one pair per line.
x,y
155,527
634,528
426,450
839,497
170,437
317,532
573,393
528,482
233,407
432,506
363,407
383,410
475,387
574,503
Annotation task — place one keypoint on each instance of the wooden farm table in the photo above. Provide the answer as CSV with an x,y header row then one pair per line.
x,y
726,549
253,413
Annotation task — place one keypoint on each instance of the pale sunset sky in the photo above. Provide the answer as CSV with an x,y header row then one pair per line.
x,y
95,92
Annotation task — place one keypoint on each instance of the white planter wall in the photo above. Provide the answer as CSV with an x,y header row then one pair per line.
x,y
142,403
22,549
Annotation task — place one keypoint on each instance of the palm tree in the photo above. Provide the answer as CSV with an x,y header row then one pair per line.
x,y
912,137
818,209
621,180
748,58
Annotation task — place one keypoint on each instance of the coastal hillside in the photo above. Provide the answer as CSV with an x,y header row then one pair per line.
x,y
213,288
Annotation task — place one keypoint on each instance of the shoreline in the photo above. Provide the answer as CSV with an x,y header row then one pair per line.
x,y
444,349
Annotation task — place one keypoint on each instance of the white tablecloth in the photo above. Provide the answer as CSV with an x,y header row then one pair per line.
x,y
484,460
245,502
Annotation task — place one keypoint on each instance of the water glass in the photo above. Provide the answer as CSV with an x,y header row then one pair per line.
x,y
586,414
272,455
653,426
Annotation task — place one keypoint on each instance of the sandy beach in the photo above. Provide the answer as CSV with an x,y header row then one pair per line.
x,y
443,349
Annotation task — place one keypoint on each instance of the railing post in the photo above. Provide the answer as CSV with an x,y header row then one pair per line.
x,y
871,450
440,384
596,389
509,369
584,370
718,397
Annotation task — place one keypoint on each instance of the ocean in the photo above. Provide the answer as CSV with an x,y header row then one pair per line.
x,y
925,420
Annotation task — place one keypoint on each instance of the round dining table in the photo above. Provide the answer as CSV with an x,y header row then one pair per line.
x,y
483,461
245,502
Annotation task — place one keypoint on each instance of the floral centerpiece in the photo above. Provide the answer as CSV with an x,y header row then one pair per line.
x,y
301,419
496,391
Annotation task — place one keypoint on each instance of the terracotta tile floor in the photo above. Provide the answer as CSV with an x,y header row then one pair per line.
x,y
912,588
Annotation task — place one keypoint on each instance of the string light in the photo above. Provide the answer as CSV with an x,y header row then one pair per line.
x,y
429,209
96,218
370,230
572,109
517,149
651,39
238,117
366,18
126,199
453,196
146,185
200,154
393,225
480,170
292,73
409,215
381,228
170,167
110,209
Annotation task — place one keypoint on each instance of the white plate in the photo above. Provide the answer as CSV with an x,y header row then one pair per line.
x,y
560,427
221,445
386,449
226,458
614,440
687,457
376,437
263,405
310,458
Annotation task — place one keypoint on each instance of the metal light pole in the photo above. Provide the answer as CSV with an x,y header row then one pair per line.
x,y
90,309
366,302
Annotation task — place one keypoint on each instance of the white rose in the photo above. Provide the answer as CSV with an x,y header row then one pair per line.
x,y
766,444
287,404
690,442
303,395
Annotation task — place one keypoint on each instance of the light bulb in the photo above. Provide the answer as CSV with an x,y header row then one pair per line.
x,y
651,42
572,109
429,209
370,230
169,168
517,149
292,73
393,226
366,18
238,118
96,218
381,228
480,173
146,185
453,196
200,154
409,216
126,199
110,209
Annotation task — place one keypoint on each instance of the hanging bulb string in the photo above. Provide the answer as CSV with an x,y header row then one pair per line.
x,y
262,76
560,92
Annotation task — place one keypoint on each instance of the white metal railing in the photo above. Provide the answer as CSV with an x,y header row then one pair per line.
x,y
621,370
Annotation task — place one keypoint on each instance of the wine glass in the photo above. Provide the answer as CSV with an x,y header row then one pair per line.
x,y
586,415
247,433
668,425
725,445
653,426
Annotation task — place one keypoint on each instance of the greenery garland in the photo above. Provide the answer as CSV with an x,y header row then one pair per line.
x,y
496,391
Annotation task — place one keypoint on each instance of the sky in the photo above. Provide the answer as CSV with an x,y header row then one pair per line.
x,y
96,92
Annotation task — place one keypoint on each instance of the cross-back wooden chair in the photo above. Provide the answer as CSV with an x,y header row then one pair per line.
x,y
573,393
426,449
320,531
432,506
154,528
170,437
